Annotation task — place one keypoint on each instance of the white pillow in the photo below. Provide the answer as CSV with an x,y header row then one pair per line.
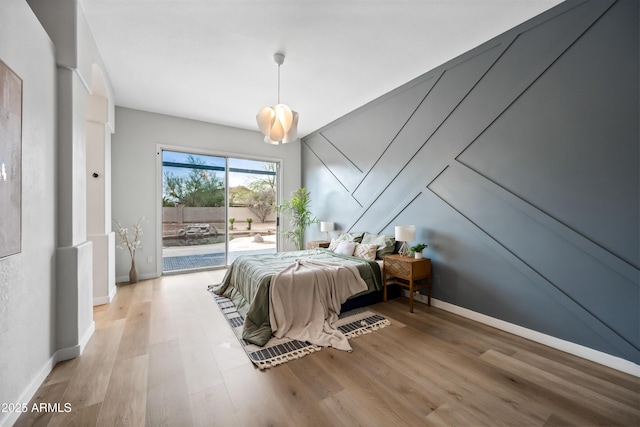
x,y
366,251
346,248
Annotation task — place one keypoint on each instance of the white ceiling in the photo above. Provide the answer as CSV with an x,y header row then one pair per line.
x,y
212,60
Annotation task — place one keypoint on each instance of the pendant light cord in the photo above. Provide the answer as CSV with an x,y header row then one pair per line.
x,y
278,83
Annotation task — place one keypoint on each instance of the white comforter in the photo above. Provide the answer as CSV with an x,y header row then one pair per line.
x,y
305,300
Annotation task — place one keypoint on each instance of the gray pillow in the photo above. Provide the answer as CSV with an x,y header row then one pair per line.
x,y
386,244
350,237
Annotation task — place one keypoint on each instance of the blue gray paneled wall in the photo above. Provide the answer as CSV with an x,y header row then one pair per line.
x,y
518,164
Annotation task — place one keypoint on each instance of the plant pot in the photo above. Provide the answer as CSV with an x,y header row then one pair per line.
x,y
133,273
418,255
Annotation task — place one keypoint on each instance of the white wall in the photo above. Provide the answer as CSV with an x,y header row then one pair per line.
x,y
46,290
27,293
135,189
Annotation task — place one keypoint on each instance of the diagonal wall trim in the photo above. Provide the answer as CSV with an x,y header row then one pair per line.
x,y
402,206
551,57
331,172
598,325
405,167
408,201
347,159
579,240
340,166
437,77
627,267
377,123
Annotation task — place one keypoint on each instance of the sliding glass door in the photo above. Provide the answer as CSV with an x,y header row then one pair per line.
x,y
215,209
252,203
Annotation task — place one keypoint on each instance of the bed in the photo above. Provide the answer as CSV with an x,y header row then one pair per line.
x,y
248,279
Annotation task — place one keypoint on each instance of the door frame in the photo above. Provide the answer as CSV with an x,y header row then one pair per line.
x,y
214,153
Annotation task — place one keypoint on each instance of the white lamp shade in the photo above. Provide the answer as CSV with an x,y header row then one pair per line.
x,y
279,124
405,233
292,133
265,118
326,226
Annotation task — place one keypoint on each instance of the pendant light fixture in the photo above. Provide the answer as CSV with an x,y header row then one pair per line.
x,y
279,123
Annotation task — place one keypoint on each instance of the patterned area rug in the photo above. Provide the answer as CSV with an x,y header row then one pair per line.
x,y
352,323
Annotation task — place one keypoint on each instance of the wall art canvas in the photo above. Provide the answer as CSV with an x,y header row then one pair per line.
x,y
10,161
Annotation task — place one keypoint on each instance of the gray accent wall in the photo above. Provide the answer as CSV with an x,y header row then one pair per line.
x,y
518,162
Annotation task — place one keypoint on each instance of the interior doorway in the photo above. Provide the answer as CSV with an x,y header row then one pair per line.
x,y
215,208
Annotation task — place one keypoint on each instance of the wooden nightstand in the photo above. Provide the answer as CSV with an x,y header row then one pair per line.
x,y
408,272
314,244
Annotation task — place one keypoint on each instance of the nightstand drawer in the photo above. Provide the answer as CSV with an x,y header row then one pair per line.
x,y
396,267
314,244
410,273
407,267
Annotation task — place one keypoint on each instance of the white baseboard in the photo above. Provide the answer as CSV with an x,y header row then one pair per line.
x,y
107,298
102,300
86,337
8,419
587,353
125,279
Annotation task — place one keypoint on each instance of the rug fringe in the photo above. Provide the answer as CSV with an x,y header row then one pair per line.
x,y
353,324
279,360
368,329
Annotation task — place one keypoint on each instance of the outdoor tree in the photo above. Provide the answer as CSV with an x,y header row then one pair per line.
x,y
262,198
238,196
268,182
262,203
201,188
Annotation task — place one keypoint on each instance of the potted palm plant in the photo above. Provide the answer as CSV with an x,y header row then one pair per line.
x,y
299,215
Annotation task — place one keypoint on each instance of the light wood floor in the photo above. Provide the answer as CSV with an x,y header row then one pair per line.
x,y
163,355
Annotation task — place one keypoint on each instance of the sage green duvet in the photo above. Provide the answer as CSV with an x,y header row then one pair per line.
x,y
247,281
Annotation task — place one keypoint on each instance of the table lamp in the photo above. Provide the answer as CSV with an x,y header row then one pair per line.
x,y
326,228
404,234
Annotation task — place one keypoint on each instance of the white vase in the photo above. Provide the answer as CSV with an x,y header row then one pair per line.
x,y
418,255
